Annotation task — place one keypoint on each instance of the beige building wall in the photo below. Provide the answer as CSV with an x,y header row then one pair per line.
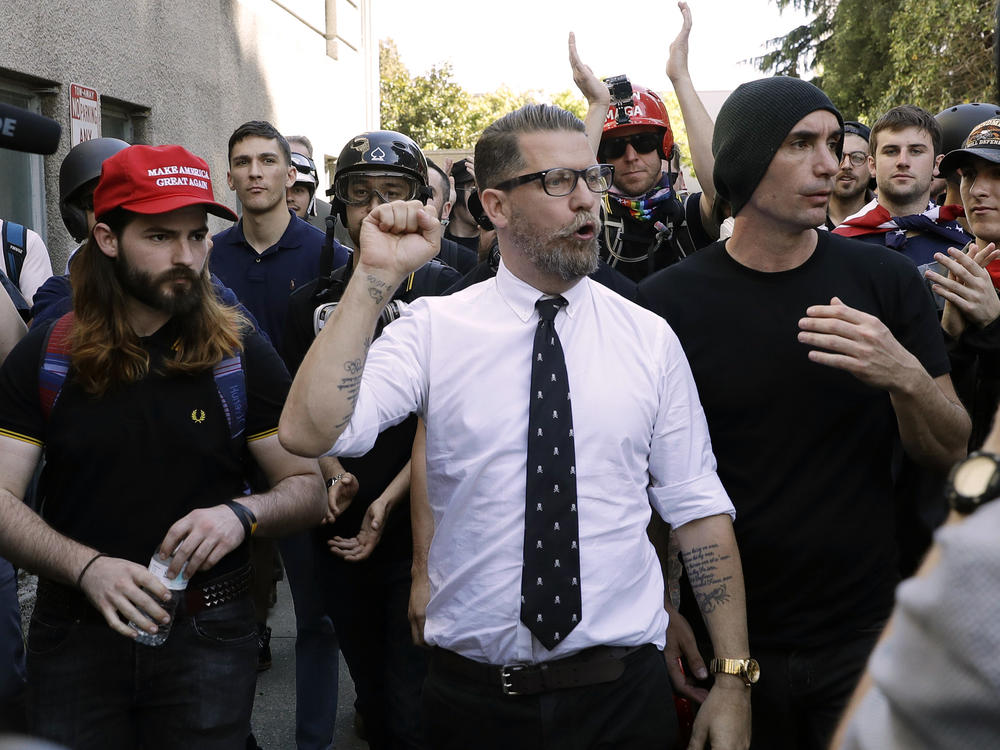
x,y
190,72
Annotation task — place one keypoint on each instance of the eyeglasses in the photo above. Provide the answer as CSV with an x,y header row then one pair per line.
x,y
857,158
643,143
560,181
358,188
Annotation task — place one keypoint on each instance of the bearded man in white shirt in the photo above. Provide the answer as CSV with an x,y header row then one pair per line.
x,y
498,678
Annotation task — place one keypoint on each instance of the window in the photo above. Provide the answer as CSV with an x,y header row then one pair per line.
x,y
22,191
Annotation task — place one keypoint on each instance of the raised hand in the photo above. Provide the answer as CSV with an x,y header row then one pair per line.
x,y
592,87
397,238
968,288
677,62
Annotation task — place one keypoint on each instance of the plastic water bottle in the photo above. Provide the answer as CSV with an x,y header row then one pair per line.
x,y
176,586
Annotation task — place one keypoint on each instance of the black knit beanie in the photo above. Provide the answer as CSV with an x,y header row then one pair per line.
x,y
752,125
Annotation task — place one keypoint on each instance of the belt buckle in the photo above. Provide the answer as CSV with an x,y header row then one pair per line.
x,y
506,672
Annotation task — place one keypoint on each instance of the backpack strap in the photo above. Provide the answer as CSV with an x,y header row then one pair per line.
x,y
230,380
55,363
15,248
231,384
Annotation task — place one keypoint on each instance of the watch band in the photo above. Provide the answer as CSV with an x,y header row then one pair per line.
x,y
746,669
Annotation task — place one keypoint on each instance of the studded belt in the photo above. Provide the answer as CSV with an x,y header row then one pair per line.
x,y
591,666
218,591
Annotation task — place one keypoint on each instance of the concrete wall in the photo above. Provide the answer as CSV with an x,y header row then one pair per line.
x,y
193,70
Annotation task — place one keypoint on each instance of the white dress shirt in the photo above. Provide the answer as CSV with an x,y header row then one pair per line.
x,y
464,364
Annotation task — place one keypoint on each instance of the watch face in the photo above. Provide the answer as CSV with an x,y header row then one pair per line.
x,y
972,477
752,671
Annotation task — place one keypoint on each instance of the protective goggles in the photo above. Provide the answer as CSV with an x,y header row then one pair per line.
x,y
306,169
358,188
643,143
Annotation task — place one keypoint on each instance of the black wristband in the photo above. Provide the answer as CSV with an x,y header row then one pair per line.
x,y
246,516
79,578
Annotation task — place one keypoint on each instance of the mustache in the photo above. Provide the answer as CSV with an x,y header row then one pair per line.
x,y
582,219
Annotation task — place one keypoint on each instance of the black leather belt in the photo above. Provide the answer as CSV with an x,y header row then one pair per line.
x,y
71,603
591,666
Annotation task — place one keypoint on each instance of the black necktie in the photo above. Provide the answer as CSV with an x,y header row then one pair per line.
x,y
550,578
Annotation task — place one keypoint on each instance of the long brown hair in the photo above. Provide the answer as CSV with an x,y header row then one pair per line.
x,y
106,352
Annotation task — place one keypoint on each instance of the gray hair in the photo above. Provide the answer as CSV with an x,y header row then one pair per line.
x,y
498,155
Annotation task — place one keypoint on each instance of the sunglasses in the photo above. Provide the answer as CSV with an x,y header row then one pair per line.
x,y
642,143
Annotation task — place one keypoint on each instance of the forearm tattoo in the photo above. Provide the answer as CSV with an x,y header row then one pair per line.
x,y
350,384
377,289
711,589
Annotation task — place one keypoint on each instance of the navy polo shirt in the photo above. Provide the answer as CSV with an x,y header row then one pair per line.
x,y
263,282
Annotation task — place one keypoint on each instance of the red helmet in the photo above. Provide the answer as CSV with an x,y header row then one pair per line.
x,y
646,108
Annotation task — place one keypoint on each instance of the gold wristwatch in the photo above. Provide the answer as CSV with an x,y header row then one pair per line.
x,y
746,669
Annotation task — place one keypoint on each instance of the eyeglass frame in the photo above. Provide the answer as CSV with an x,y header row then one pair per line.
x,y
849,155
514,182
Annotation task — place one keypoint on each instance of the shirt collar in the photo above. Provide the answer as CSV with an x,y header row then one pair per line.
x,y
289,238
520,296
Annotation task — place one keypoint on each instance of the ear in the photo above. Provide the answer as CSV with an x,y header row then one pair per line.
x,y
871,166
497,207
106,240
446,210
290,177
937,163
229,180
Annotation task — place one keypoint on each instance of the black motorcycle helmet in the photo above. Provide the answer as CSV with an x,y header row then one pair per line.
x,y
82,166
958,121
379,150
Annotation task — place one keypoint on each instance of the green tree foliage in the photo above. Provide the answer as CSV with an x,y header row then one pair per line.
x,y
438,113
871,56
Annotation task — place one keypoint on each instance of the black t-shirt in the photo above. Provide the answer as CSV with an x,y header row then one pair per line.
x,y
122,468
804,450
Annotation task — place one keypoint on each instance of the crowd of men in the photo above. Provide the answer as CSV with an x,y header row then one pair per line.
x,y
742,407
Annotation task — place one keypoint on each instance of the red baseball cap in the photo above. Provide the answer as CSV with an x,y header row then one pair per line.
x,y
155,180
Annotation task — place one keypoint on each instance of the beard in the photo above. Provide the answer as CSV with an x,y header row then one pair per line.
x,y
558,252
848,192
163,292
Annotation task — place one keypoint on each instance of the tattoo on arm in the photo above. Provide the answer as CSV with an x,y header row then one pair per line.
x,y
351,386
710,588
377,289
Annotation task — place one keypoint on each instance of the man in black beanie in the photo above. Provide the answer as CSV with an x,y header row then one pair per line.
x,y
817,359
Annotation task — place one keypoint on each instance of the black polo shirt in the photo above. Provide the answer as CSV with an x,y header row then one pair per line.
x,y
122,468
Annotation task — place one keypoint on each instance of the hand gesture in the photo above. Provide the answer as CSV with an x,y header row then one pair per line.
x,y
856,342
397,238
360,547
200,539
592,87
677,62
123,592
681,644
339,496
968,289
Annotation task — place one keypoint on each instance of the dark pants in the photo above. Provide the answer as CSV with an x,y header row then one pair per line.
x,y
634,712
802,694
317,656
89,687
11,653
368,602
